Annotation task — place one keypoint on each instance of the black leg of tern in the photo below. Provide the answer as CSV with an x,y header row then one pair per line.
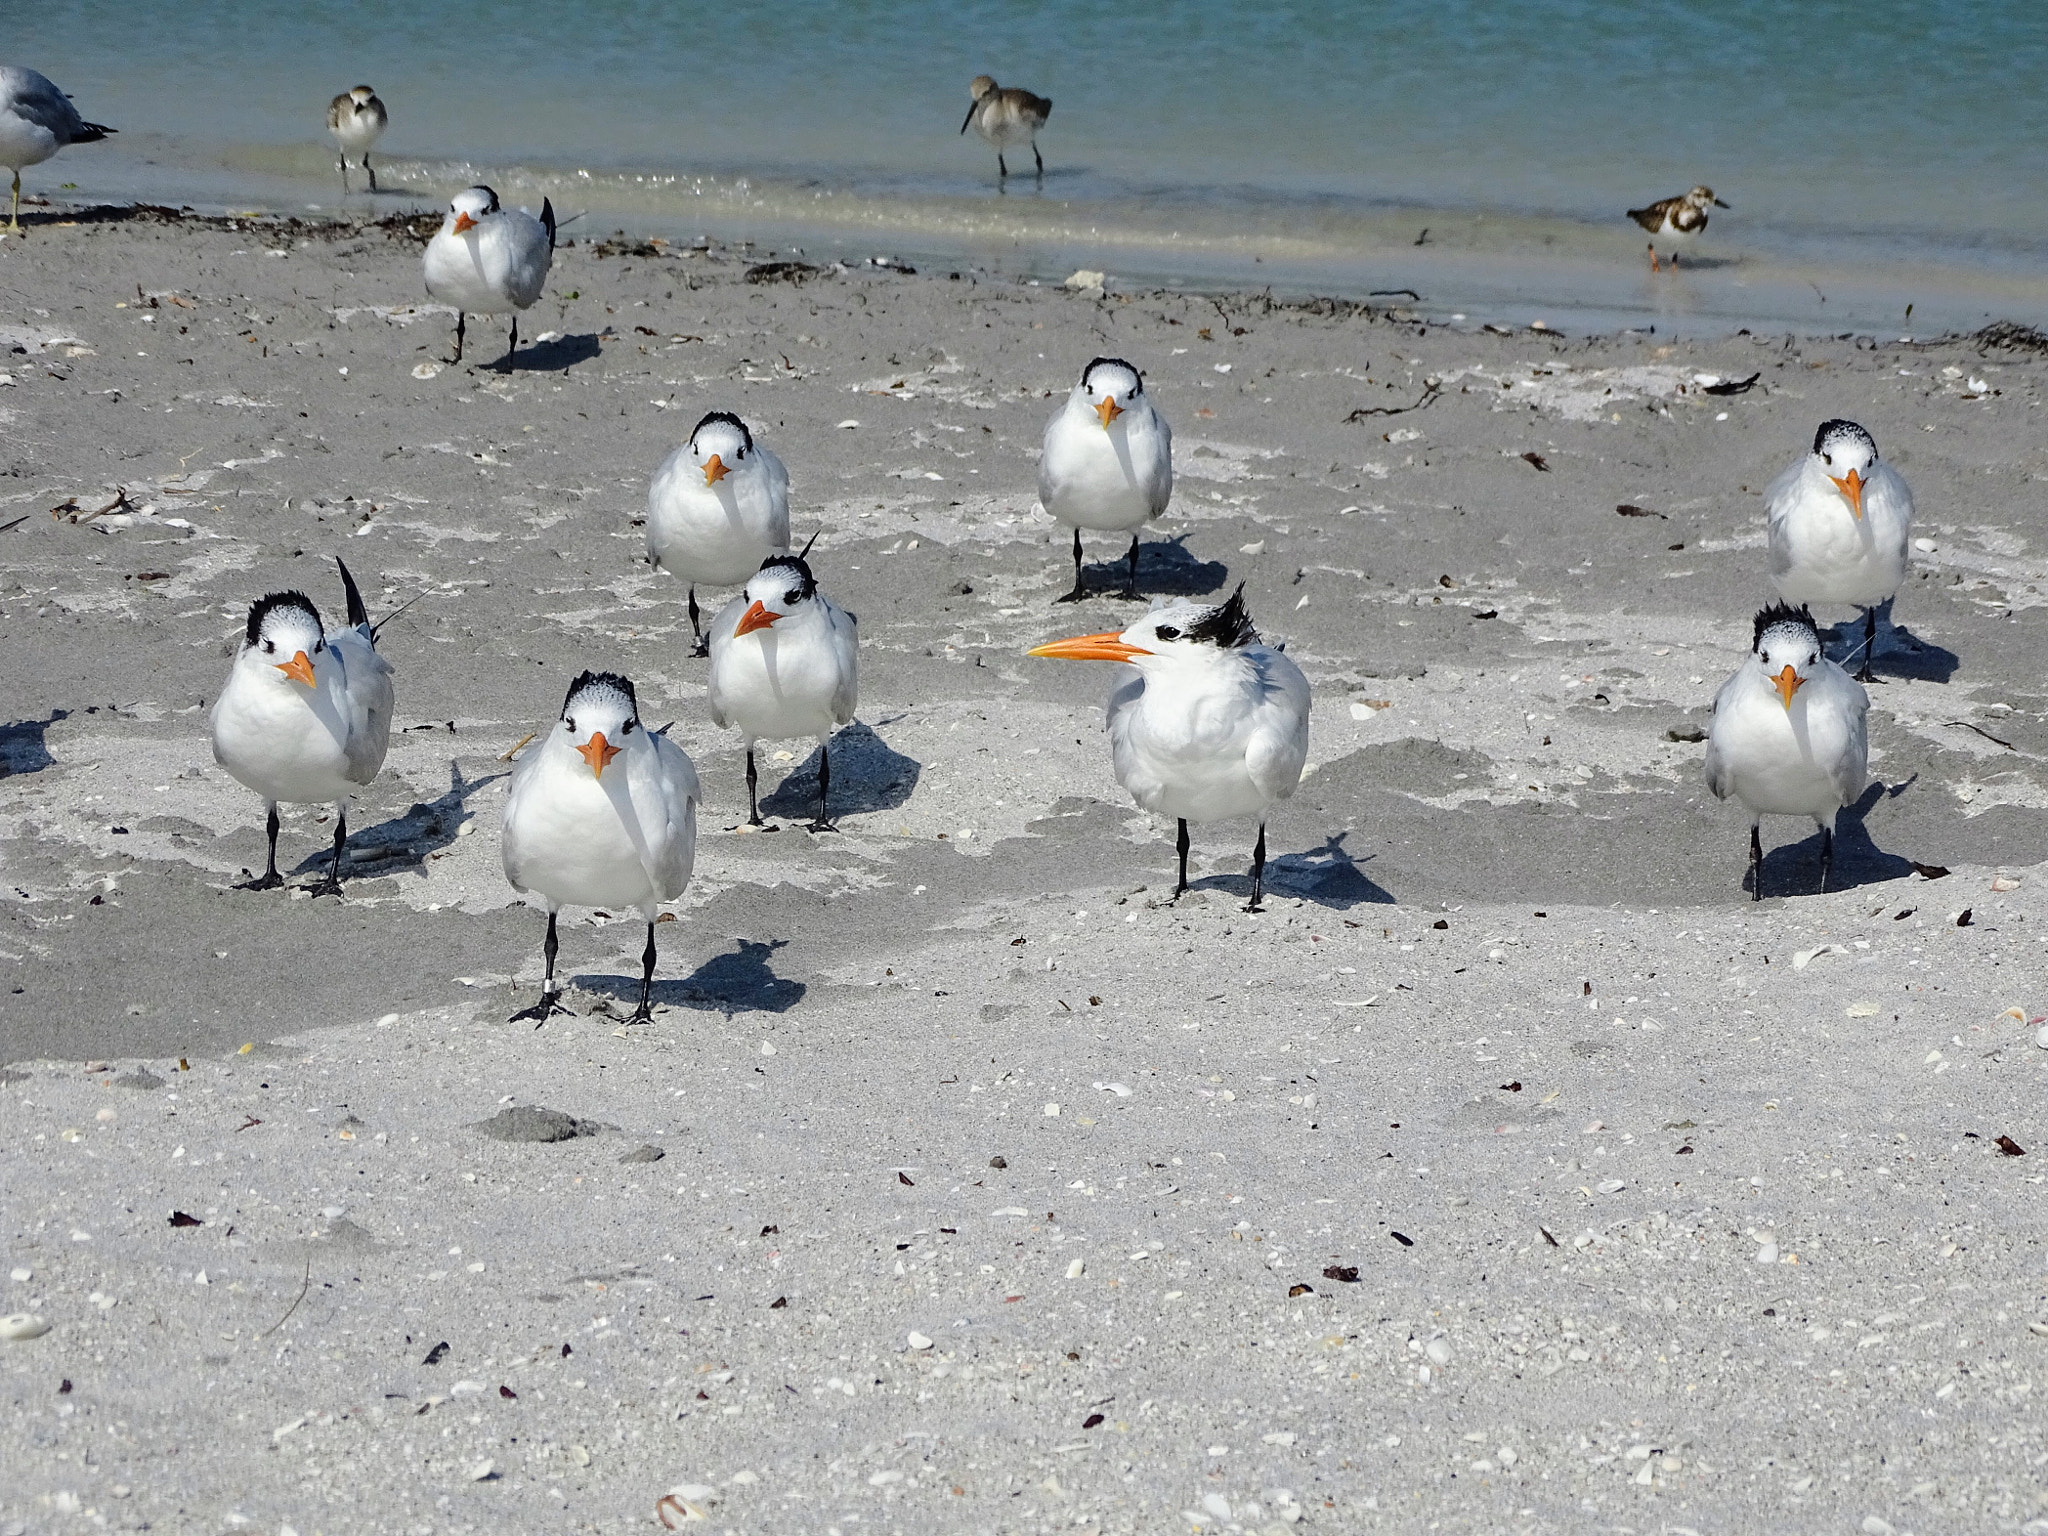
x,y
270,878
646,1009
1079,591
703,646
512,345
539,1011
459,319
1869,645
1827,858
1258,872
1181,843
1131,576
1756,864
824,785
1002,167
331,886
753,792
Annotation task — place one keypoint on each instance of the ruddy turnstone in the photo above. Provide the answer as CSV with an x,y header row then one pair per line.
x,y
1676,218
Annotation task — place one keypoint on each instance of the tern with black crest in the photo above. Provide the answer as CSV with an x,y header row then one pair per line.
x,y
1213,725
1107,462
718,507
602,813
489,260
1788,737
785,662
36,120
1006,117
1683,217
1840,521
356,119
305,716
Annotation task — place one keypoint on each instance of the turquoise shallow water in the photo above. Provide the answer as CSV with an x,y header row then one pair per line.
x,y
1875,154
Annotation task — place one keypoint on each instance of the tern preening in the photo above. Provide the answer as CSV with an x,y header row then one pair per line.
x,y
1840,520
1788,736
306,714
1676,218
785,661
36,120
1107,462
1213,725
357,119
488,260
718,507
1006,116
602,813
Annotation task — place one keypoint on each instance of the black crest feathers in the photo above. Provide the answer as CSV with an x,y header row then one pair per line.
x,y
601,683
1228,627
1112,362
268,604
800,572
1839,429
1782,615
746,437
358,615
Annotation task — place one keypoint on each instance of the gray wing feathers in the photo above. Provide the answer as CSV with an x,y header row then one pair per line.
x,y
846,644
1278,748
366,686
1719,779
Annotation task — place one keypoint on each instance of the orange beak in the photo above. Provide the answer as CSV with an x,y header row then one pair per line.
x,y
715,470
299,669
1108,410
597,752
1106,647
464,223
1851,486
756,617
1788,683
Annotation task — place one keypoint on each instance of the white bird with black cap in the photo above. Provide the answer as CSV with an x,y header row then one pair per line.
x,y
717,507
602,813
356,119
1107,463
785,662
489,260
1840,522
1213,725
36,120
1788,737
305,716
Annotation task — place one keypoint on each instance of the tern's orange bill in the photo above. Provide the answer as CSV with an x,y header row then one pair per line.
x,y
715,470
299,669
464,223
597,752
756,617
1108,410
1103,647
1788,683
1851,486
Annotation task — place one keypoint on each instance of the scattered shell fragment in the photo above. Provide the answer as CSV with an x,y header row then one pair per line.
x,y
483,1472
1864,1010
22,1325
1805,957
2004,883
425,370
1077,1269
1439,1352
917,1340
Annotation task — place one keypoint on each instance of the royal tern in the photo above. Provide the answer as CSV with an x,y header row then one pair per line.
x,y
305,716
718,507
785,661
1107,462
357,120
488,260
36,120
1006,116
1214,724
582,831
1840,523
1676,218
1788,735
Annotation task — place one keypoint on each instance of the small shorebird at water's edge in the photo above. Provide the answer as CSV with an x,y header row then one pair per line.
x,y
1006,115
1676,218
357,119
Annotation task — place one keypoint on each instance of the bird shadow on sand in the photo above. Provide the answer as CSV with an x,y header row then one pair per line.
x,y
553,356
741,980
404,842
1165,569
867,775
22,749
1900,652
1329,876
1793,869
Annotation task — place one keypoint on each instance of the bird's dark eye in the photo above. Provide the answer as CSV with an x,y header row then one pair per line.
x,y
792,596
269,648
1827,458
626,730
1167,632
571,723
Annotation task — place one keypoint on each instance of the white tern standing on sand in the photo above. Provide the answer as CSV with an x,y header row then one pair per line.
x,y
1788,735
1005,115
1214,724
306,714
357,119
487,260
583,830
785,661
1107,462
36,120
1840,519
718,507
